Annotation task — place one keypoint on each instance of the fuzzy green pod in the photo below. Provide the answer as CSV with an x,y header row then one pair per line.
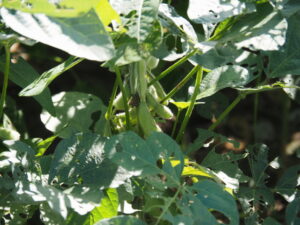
x,y
8,134
146,121
161,110
152,62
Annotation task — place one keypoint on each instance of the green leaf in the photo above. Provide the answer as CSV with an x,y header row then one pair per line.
x,y
270,221
262,30
177,24
146,14
214,11
108,207
80,158
40,84
121,220
289,8
292,212
74,112
43,145
214,197
50,217
226,167
286,61
140,157
80,199
22,74
258,163
223,77
64,8
83,36
286,185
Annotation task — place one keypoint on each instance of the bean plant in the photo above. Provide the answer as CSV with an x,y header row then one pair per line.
x,y
124,167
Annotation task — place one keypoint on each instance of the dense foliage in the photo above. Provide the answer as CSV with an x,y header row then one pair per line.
x,y
115,161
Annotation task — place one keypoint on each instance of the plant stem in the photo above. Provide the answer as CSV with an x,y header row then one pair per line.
x,y
176,122
169,204
125,99
180,84
192,103
255,113
227,111
172,67
112,98
5,79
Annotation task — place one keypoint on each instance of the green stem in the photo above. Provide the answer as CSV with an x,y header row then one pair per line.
x,y
192,104
125,99
176,122
167,206
227,111
108,113
5,80
255,114
172,67
180,84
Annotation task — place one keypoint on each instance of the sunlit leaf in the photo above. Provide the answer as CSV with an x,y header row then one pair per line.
x,y
83,36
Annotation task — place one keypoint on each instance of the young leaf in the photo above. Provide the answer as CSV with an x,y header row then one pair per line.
x,y
223,77
74,112
22,74
40,84
83,36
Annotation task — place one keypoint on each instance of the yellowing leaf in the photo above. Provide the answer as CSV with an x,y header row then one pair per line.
x,y
188,170
106,13
184,105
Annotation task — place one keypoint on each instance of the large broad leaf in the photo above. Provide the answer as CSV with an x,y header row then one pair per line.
x,y
75,112
83,36
22,74
223,77
41,83
214,11
214,197
286,61
30,185
63,8
81,158
262,30
140,157
82,200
